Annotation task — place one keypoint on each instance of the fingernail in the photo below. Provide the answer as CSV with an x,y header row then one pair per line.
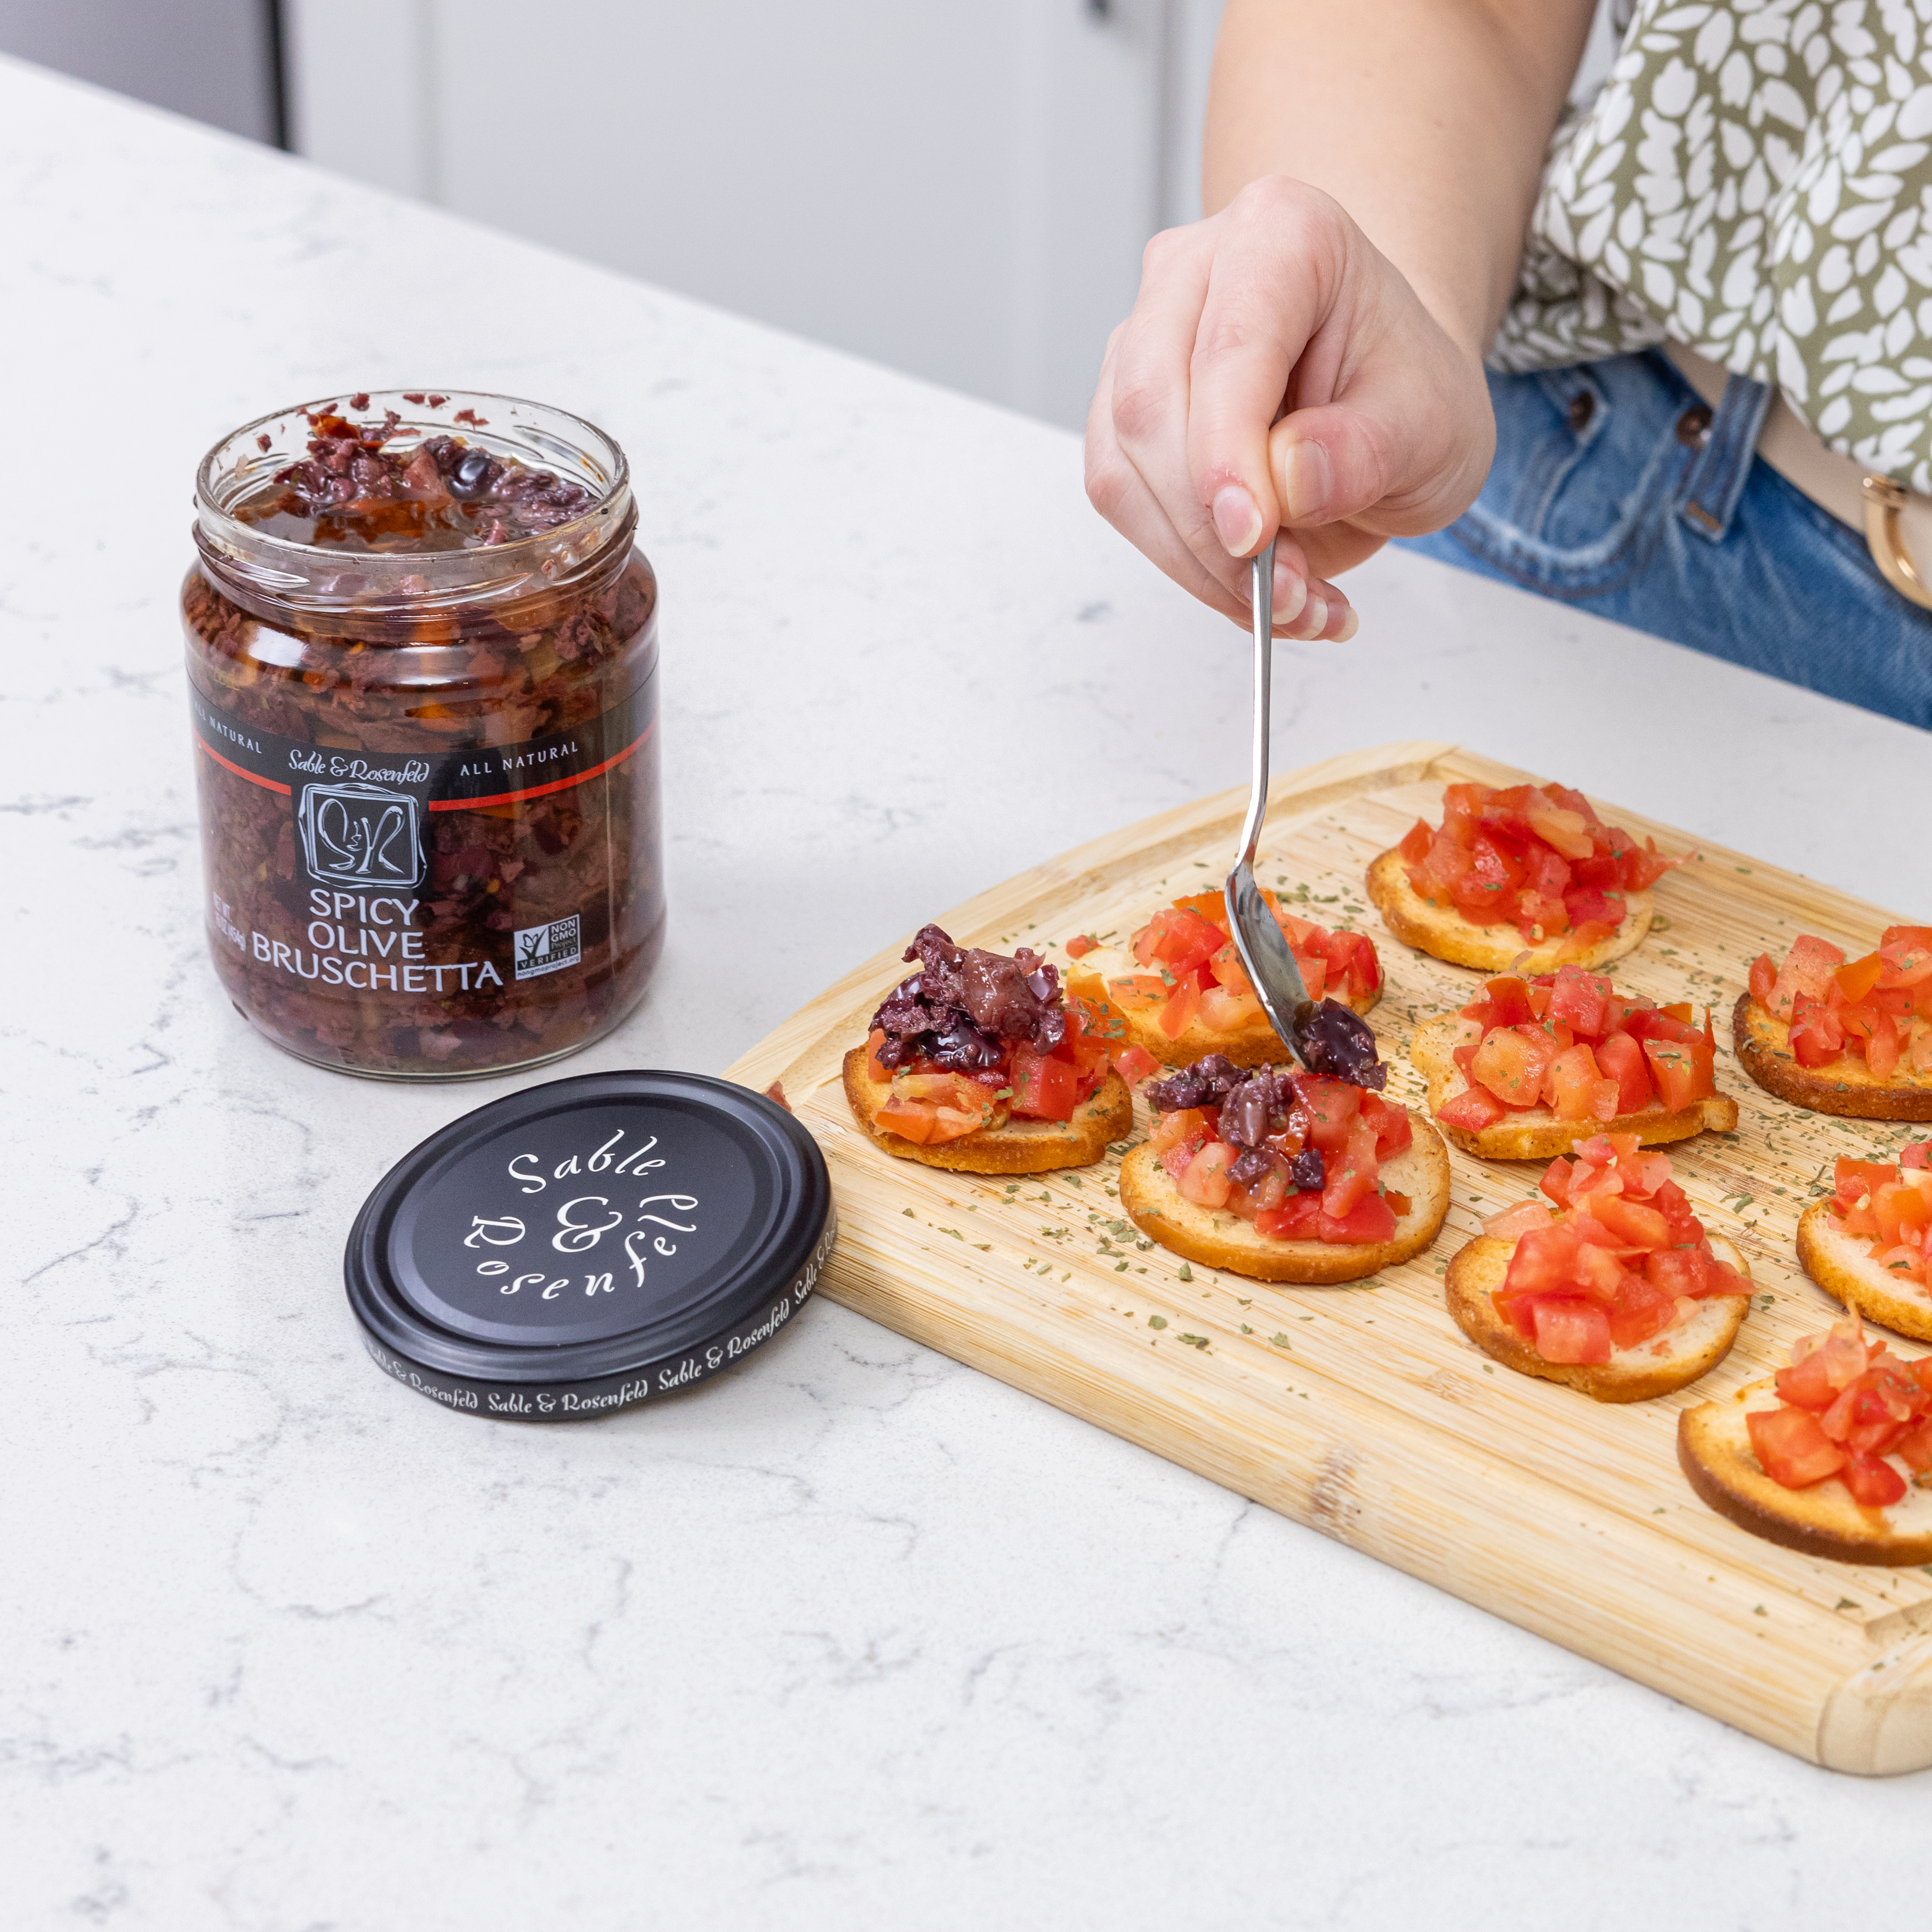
x,y
1291,593
1314,618
1306,480
1351,624
1237,521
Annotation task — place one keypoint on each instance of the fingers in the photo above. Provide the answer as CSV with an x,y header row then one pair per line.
x,y
1269,283
1149,405
1405,446
1122,494
1116,489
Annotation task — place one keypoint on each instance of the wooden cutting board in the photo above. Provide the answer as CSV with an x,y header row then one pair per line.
x,y
1361,1411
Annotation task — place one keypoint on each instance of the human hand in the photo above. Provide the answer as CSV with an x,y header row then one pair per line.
x,y
1280,306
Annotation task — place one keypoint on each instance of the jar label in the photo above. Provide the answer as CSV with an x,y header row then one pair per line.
x,y
364,820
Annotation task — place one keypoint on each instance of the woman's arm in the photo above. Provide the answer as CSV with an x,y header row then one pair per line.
x,y
1426,119
1371,167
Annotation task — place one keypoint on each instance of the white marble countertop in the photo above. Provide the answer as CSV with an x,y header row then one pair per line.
x,y
855,1636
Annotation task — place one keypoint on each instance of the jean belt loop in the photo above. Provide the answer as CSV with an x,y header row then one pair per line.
x,y
1717,477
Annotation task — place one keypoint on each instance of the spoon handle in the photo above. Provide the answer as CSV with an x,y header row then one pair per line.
x,y
1262,573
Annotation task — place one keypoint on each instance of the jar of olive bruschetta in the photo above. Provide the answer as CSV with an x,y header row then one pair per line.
x,y
422,656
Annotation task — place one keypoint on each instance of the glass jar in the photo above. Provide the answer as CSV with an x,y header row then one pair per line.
x,y
422,658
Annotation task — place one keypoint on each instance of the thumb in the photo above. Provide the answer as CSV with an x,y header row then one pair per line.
x,y
1393,458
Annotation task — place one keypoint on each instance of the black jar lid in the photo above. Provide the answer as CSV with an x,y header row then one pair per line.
x,y
586,1244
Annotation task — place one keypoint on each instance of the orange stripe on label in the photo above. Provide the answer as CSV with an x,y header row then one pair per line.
x,y
538,791
228,764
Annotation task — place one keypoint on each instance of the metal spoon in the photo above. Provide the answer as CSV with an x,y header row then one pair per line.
x,y
1326,1037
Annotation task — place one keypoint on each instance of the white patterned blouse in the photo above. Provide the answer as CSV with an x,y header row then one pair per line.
x,y
1754,180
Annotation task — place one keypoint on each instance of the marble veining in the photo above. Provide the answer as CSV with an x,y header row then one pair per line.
x,y
855,1636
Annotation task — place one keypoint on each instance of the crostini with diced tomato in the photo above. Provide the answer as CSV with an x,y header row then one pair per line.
x,y
1284,1176
1542,1061
1182,992
1868,1242
1526,877
1619,1293
1832,1456
979,1063
1852,1037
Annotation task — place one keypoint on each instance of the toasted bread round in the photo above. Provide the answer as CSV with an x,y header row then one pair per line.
x,y
1018,1147
1842,1265
1671,1360
1714,1451
1444,933
1845,1085
1535,1133
1218,1239
1256,1044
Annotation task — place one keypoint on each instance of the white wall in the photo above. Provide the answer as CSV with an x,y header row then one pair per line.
x,y
209,58
961,190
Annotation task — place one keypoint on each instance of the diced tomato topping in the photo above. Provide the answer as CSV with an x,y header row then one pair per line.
x,y
1299,1218
1178,938
1621,1058
1891,1207
1581,1000
1080,945
1134,1064
1517,1220
1858,977
1639,1310
1223,1012
1332,1105
1355,1131
1882,1045
1571,1330
1511,1062
1372,1219
1416,842
1878,1007
932,1108
1186,1126
1569,1041
1188,944
1625,1243
1577,1089
1506,1002
1394,1130
1683,1070
1676,1271
874,1040
1791,1447
1817,1032
1045,1088
1808,1383
1138,992
1472,1110
1536,856
1846,1404
1914,1448
1874,1483
1205,1183
1351,1175
1088,1042
1809,968
1183,1004
1545,1260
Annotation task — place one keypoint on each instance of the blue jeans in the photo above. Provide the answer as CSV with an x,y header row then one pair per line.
x,y
1615,490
